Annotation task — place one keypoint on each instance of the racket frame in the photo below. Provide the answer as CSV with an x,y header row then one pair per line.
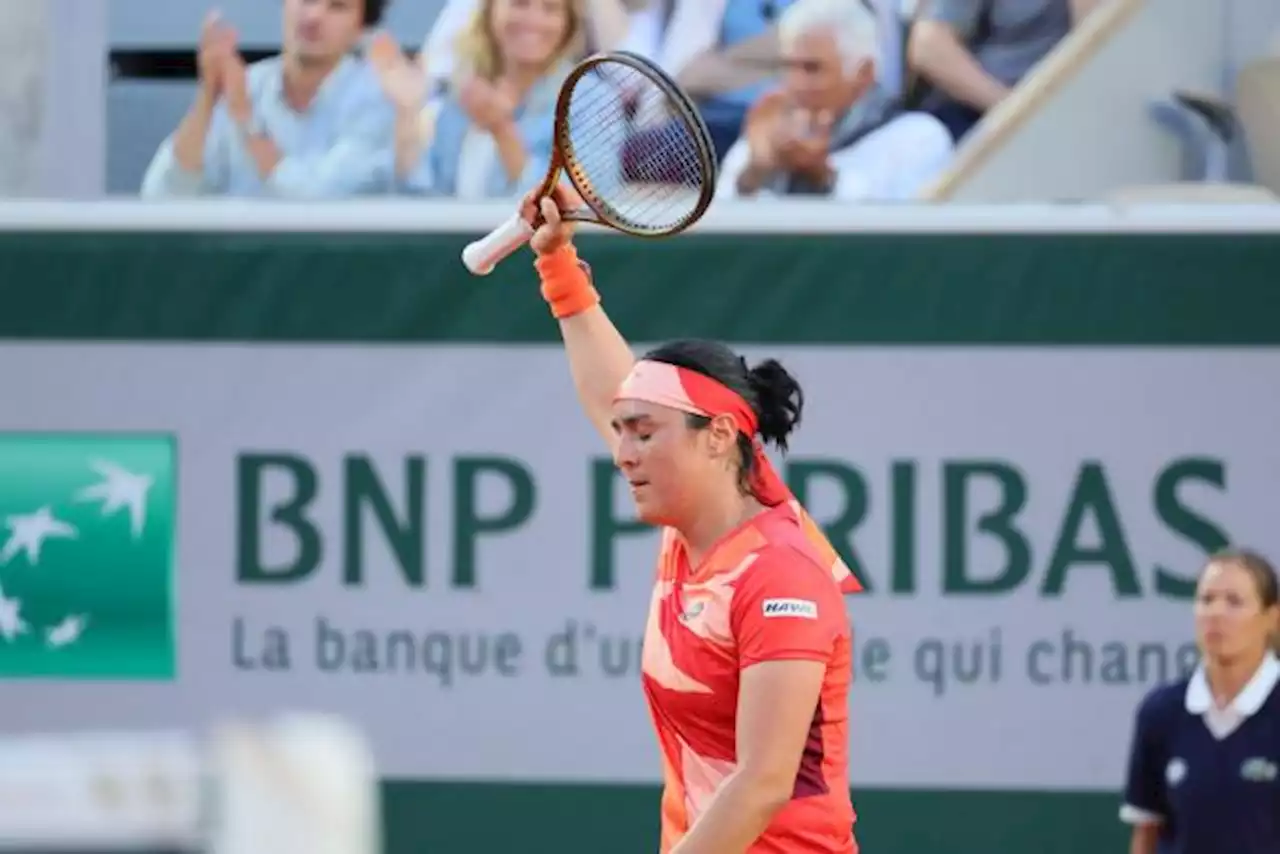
x,y
595,209
482,255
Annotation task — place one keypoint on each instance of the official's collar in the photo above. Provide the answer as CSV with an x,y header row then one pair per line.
x,y
1199,698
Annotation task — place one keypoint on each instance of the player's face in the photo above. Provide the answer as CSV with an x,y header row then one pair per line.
x,y
663,460
322,30
1231,621
529,33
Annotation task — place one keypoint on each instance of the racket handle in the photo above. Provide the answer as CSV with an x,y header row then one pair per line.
x,y
481,256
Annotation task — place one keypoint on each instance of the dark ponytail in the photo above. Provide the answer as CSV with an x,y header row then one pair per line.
x,y
779,401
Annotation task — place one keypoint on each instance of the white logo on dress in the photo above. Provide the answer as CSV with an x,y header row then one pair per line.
x,y
791,608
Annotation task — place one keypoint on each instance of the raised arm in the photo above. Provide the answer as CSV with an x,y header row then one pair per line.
x,y
599,357
404,82
937,49
188,162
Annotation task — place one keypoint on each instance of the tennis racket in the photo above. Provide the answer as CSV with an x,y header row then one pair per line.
x,y
633,146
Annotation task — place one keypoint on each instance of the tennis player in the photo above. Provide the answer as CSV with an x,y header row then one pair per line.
x,y
1204,772
747,661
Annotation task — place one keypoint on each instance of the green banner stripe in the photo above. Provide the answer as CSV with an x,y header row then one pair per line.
x,y
828,289
503,818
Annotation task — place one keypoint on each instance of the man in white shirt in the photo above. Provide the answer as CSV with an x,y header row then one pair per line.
x,y
832,130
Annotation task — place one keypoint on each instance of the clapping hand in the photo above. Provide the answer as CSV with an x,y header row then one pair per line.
x,y
490,105
803,143
217,45
403,81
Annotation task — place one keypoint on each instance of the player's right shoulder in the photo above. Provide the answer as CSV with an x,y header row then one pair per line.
x,y
794,557
789,571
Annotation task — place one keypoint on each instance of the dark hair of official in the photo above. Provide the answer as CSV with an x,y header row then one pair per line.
x,y
772,393
1265,579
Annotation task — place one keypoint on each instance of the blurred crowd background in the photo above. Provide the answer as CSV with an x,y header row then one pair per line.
x,y
857,100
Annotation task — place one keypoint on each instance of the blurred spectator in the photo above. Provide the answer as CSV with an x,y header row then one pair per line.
x,y
832,130
647,26
971,53
607,24
311,122
723,53
492,134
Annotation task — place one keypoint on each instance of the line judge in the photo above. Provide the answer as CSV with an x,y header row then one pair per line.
x,y
1204,769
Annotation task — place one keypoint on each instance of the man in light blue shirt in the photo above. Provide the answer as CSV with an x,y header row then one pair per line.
x,y
310,123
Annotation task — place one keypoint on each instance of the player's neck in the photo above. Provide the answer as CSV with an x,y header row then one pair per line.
x,y
713,521
1228,676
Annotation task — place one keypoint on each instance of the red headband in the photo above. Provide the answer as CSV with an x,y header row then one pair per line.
x,y
698,394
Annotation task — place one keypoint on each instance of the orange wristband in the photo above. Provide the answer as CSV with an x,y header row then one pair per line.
x,y
566,282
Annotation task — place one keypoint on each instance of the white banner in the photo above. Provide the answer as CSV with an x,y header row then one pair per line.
x,y
1028,520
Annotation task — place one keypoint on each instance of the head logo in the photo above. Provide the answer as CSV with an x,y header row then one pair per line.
x,y
804,608
87,527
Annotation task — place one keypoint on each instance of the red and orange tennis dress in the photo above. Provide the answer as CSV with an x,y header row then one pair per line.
x,y
771,589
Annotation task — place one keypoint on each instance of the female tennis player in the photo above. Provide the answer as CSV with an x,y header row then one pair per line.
x,y
1204,772
746,663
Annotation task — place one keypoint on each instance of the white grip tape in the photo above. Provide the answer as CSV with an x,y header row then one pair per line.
x,y
481,256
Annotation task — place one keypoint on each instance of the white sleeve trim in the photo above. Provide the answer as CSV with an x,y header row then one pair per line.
x,y
1130,814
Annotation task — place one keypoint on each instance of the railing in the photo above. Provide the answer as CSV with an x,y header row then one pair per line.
x,y
774,217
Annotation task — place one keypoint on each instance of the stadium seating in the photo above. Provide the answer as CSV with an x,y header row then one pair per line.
x,y
1080,125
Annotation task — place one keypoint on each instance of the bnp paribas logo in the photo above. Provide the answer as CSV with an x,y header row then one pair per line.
x,y
87,527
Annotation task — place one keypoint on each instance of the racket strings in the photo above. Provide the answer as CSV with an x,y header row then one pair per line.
x,y
635,150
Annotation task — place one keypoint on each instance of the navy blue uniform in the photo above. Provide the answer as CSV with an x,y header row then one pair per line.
x,y
1209,777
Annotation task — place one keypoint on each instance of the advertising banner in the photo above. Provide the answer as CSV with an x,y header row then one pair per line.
x,y
431,540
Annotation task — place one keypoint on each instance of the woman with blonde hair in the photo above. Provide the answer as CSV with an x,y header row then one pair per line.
x,y
490,134
1204,770
608,25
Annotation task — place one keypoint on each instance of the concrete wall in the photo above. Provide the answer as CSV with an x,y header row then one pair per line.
x,y
52,98
22,58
